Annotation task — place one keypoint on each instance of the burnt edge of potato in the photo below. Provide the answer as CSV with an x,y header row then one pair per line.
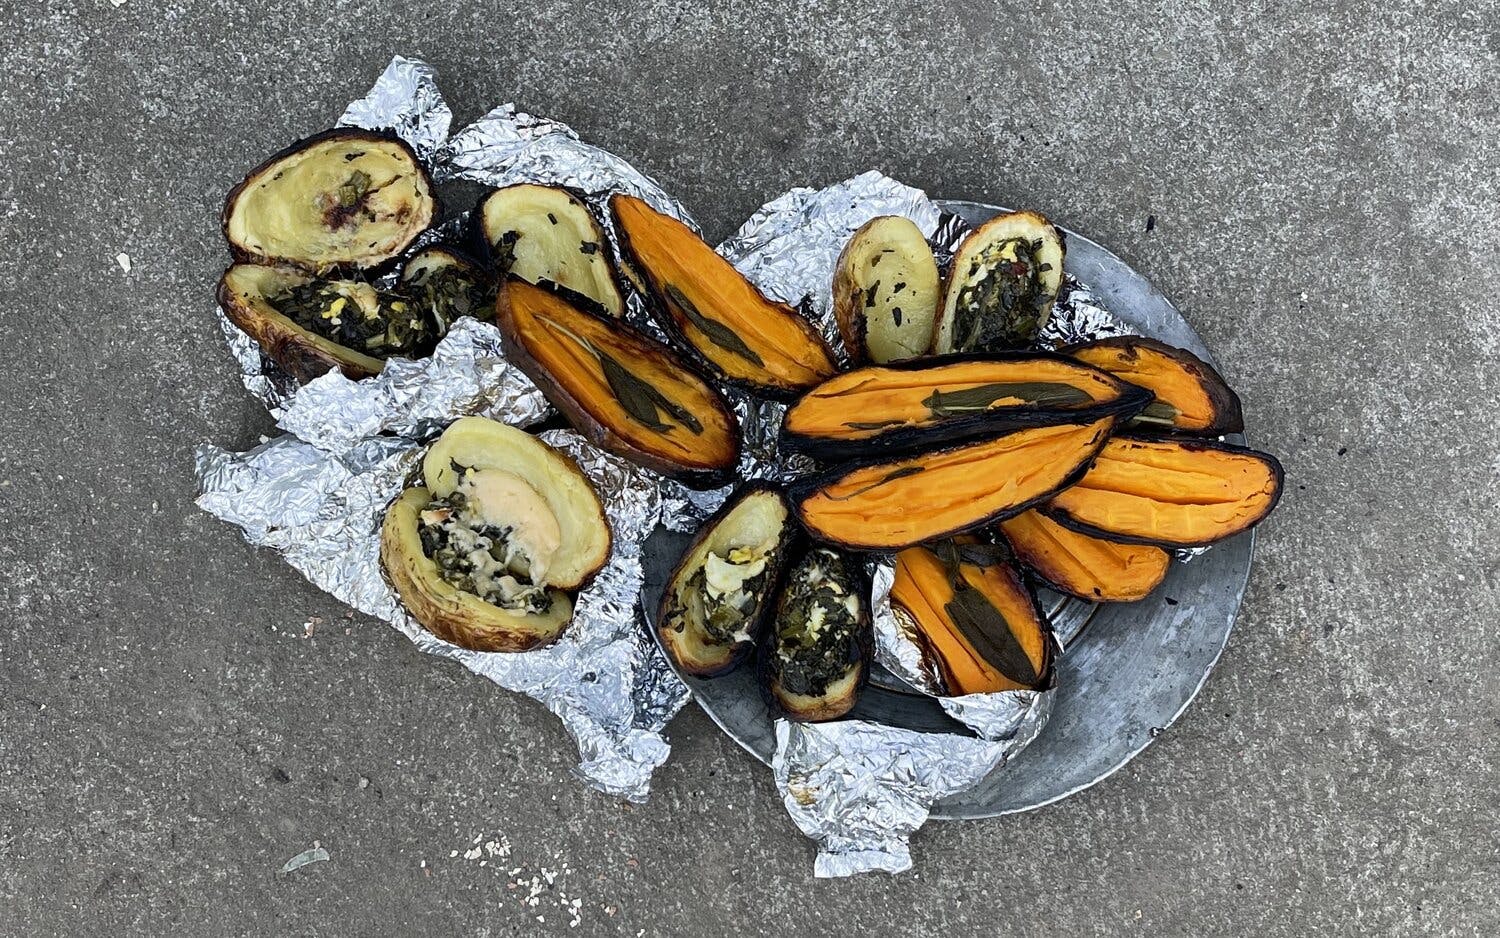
x,y
1228,412
799,490
300,353
594,430
730,655
839,695
1278,475
353,135
968,428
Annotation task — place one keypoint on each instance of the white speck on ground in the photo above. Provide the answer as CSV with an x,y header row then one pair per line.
x,y
122,258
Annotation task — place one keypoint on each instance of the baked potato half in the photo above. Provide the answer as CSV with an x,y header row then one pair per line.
x,y
816,657
1001,286
886,292
546,235
345,198
484,551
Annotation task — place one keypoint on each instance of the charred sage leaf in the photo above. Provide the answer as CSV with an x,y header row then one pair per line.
x,y
718,333
978,399
641,398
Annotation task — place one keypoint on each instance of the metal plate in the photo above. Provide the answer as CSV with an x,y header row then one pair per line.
x,y
1129,669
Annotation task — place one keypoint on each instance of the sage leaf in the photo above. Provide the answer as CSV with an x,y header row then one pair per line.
x,y
718,333
981,398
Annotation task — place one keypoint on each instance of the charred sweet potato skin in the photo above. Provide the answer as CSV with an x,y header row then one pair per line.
x,y
923,597
703,460
1204,403
1170,492
754,342
915,405
1082,566
895,503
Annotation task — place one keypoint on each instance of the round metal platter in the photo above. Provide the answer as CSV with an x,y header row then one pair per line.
x,y
1129,669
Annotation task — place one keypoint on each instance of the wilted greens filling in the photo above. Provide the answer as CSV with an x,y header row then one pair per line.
x,y
817,635
1004,298
356,315
478,557
723,593
449,292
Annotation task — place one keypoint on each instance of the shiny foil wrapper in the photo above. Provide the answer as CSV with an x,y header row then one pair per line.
x,y
318,494
862,789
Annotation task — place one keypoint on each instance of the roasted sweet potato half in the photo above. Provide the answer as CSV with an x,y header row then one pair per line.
x,y
546,235
1190,395
1171,493
979,627
482,552
708,306
895,503
447,284
624,391
1001,286
254,296
886,291
719,598
343,198
816,657
916,405
1083,566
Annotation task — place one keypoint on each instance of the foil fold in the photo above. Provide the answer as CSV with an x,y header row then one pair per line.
x,y
861,789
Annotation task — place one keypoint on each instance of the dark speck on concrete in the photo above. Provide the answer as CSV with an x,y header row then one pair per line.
x,y
152,675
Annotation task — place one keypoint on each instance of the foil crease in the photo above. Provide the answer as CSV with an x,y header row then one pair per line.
x,y
318,494
466,374
861,789
604,678
1079,315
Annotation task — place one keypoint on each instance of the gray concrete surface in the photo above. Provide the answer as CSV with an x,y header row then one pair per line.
x,y
1323,186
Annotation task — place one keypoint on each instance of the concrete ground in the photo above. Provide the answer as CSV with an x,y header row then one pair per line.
x,y
1316,190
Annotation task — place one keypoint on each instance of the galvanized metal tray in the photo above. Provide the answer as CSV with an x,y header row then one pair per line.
x,y
1129,670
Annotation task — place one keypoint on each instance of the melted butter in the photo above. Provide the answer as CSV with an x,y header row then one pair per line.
x,y
504,499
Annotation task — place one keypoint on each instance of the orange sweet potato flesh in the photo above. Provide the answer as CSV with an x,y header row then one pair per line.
x,y
923,593
687,431
881,401
1171,493
714,310
1191,397
901,502
1084,566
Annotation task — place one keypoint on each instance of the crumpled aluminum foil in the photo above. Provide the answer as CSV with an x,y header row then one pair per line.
x,y
318,494
862,789
604,677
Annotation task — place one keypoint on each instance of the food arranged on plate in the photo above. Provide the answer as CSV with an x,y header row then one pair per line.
x,y
954,446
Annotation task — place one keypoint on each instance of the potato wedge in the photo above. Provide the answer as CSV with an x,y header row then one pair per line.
x,y
886,292
1001,286
546,235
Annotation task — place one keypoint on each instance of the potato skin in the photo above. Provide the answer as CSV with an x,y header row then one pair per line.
x,y
447,612
352,134
840,696
295,350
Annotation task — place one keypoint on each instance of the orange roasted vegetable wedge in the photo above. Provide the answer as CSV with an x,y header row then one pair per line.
x,y
1171,493
918,405
712,309
624,391
979,627
1084,566
900,502
1191,397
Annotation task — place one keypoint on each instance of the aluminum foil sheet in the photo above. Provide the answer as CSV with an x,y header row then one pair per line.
x,y
862,789
319,493
604,677
466,374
